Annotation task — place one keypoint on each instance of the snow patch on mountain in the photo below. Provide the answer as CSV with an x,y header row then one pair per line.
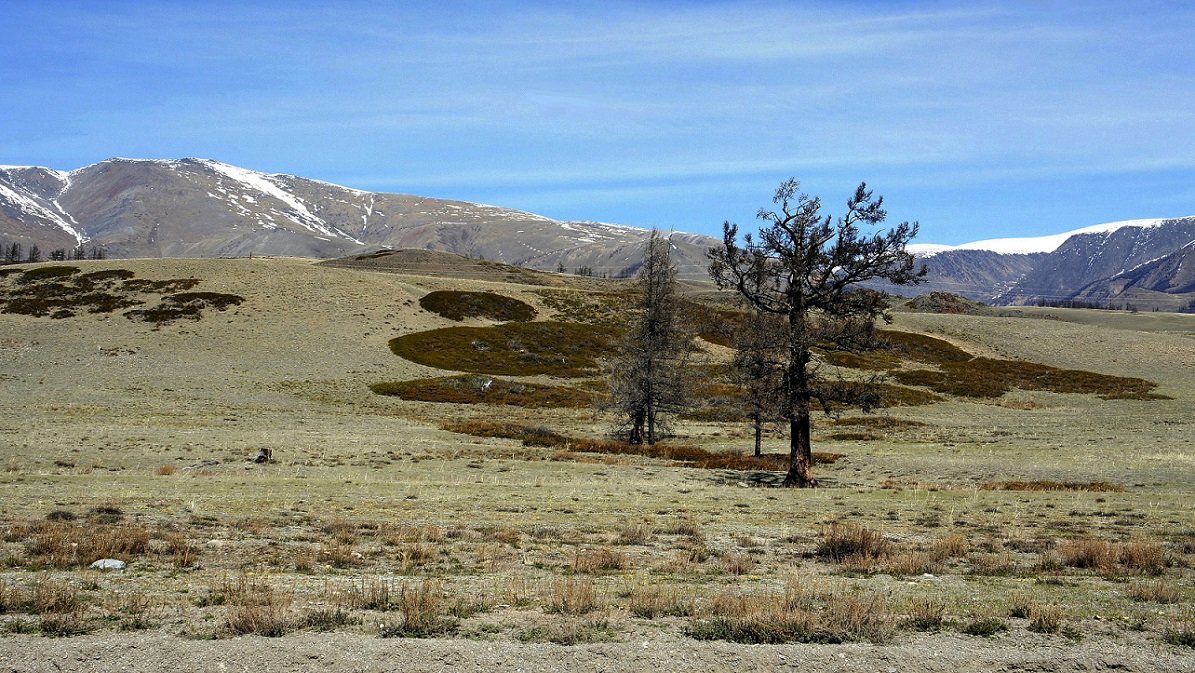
x,y
299,214
1031,244
27,204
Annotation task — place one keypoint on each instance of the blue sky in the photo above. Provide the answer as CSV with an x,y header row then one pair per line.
x,y
977,119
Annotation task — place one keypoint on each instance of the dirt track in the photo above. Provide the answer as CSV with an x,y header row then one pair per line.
x,y
345,653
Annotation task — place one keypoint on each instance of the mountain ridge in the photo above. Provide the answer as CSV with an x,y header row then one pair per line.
x,y
203,207
195,207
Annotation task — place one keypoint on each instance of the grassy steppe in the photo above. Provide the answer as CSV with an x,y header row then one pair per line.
x,y
130,439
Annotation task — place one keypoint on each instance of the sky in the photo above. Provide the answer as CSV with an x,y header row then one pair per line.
x,y
977,120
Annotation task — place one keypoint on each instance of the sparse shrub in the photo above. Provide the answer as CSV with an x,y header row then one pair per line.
x,y
1088,553
1154,592
984,626
340,555
1181,632
327,619
1045,618
841,541
568,632
951,546
1144,557
572,596
423,615
259,610
636,535
908,563
796,616
166,470
737,564
135,609
182,553
650,602
925,614
596,561
1019,604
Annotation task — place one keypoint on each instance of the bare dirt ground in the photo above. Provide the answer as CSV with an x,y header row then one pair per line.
x,y
367,492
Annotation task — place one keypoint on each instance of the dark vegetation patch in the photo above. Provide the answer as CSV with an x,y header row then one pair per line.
x,y
989,377
63,292
511,349
184,306
726,403
456,305
687,456
960,374
945,302
879,422
160,286
48,272
1047,485
475,389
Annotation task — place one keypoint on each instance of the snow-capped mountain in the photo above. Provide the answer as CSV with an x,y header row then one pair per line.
x,y
200,207
1142,262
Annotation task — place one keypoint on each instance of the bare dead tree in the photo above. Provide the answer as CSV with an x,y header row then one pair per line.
x,y
648,378
805,269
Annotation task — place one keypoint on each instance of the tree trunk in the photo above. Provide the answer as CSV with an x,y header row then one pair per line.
x,y
757,417
637,428
800,458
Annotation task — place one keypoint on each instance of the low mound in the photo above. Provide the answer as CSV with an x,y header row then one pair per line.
x,y
457,305
512,349
475,389
945,302
447,265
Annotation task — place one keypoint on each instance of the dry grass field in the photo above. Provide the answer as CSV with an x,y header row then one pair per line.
x,y
1021,530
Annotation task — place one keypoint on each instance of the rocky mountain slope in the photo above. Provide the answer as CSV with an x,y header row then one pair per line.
x,y
204,208
1147,263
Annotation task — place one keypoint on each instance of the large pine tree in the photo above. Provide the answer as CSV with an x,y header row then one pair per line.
x,y
806,269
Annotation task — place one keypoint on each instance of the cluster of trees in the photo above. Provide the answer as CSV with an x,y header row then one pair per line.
x,y
798,286
13,254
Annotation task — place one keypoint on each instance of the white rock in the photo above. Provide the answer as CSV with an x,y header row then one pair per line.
x,y
109,564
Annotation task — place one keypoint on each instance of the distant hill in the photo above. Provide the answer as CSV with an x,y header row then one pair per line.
x,y
205,208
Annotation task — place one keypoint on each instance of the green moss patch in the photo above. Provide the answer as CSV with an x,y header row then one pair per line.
x,y
456,305
478,389
512,349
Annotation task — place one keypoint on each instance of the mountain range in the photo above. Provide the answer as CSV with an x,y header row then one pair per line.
x,y
1144,263
205,208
